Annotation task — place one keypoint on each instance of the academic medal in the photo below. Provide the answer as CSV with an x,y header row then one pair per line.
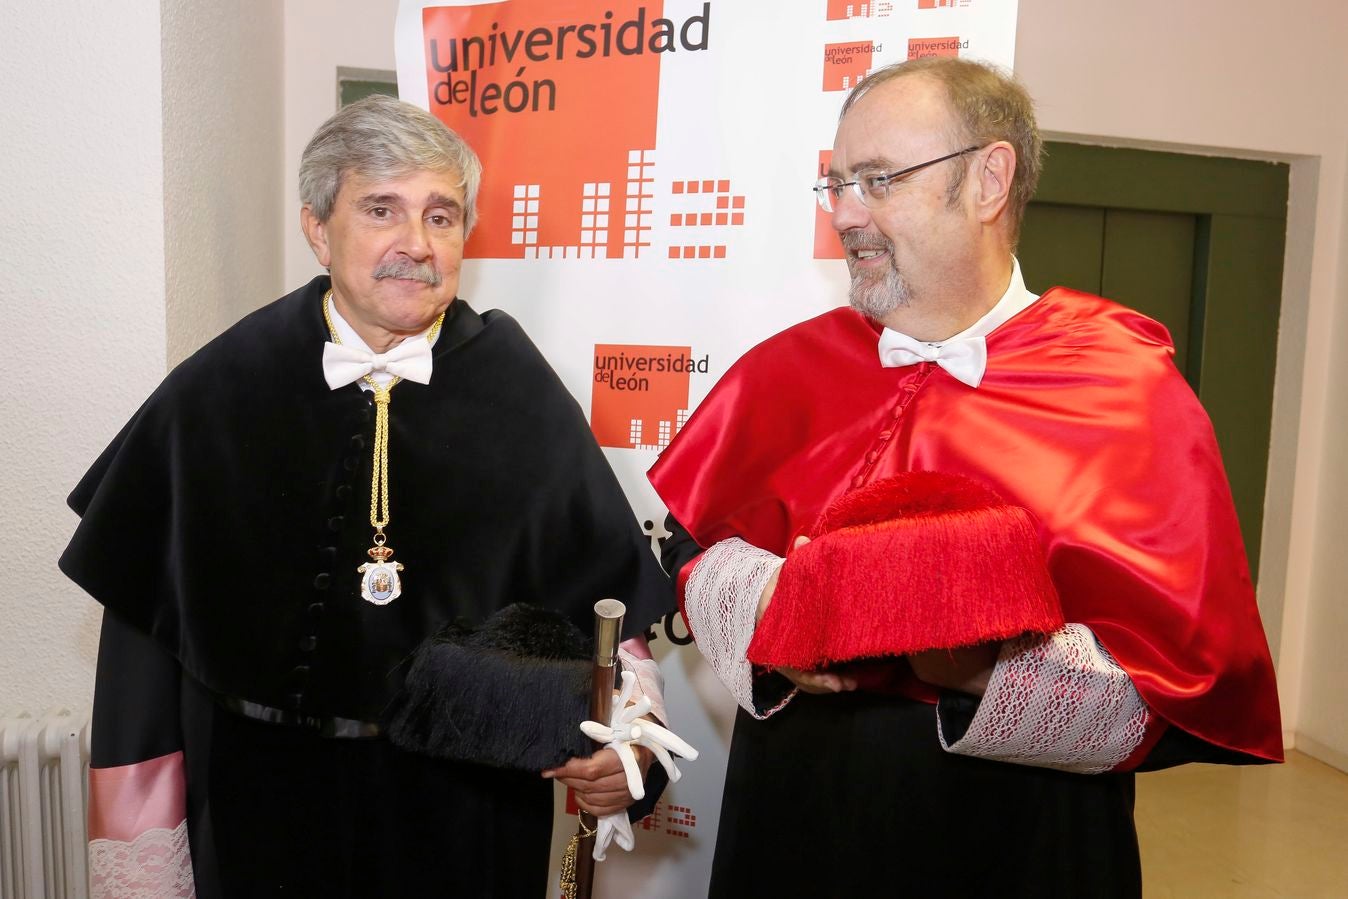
x,y
379,582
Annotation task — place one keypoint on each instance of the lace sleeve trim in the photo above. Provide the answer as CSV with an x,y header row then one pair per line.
x,y
157,864
1056,702
721,602
650,682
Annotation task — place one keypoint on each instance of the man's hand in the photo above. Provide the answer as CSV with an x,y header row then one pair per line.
x,y
966,670
807,681
599,781
819,681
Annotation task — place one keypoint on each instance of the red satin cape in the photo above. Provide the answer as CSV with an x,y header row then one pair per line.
x,y
1081,417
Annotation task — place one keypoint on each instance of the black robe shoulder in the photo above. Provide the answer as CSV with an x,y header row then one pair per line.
x,y
229,516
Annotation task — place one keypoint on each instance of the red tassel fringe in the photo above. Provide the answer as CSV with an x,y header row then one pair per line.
x,y
916,562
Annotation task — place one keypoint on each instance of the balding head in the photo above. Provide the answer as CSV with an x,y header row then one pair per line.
x,y
985,106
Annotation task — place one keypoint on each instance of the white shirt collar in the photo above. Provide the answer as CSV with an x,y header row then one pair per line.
x,y
963,355
349,337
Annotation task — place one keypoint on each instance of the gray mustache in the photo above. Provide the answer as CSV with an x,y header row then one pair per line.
x,y
405,269
861,240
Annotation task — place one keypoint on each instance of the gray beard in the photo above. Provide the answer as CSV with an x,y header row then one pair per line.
x,y
877,297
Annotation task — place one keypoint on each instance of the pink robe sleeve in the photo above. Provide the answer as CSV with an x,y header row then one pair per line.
x,y
138,840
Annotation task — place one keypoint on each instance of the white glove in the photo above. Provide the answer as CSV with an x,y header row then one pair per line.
x,y
613,827
626,726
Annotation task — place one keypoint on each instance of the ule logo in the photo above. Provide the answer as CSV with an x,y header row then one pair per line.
x,y
935,46
640,398
674,820
846,64
851,9
560,98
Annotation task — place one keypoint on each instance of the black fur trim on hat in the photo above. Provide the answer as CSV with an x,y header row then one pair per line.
x,y
510,694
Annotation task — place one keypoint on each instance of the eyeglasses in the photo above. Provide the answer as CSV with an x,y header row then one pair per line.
x,y
872,187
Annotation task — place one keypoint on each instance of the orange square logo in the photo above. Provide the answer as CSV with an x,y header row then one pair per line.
x,y
640,396
577,79
846,64
858,9
935,46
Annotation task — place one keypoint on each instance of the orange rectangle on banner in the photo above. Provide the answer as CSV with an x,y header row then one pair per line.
x,y
640,393
578,79
860,9
846,64
826,242
935,46
840,9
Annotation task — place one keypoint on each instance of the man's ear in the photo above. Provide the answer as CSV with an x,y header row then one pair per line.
x,y
316,232
995,174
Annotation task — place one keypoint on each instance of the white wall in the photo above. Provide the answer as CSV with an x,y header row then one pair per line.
x,y
223,164
321,35
142,146
81,303
1265,80
1322,725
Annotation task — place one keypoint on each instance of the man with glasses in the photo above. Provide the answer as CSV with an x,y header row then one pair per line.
x,y
1019,781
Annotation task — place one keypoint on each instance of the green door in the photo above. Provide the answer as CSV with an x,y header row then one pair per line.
x,y
357,84
1195,242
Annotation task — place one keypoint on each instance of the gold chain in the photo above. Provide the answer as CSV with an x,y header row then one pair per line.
x,y
379,516
571,858
379,465
567,880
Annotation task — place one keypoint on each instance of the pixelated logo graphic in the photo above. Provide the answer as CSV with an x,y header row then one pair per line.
x,y
559,98
936,46
640,397
704,209
826,242
850,9
678,821
942,4
846,64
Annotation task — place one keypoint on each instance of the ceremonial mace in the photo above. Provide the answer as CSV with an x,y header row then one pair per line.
x,y
577,880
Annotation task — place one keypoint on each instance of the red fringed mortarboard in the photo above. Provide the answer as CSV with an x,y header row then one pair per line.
x,y
910,563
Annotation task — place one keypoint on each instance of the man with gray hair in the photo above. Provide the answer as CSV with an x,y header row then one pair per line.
x,y
361,468
974,757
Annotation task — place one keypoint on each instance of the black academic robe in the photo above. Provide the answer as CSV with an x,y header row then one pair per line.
x,y
222,530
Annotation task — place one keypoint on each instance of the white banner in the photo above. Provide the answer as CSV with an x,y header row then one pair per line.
x,y
646,214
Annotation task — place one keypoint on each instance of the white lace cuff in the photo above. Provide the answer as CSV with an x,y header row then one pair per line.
x,y
650,682
157,864
1056,702
721,602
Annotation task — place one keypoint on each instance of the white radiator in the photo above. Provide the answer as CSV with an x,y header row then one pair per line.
x,y
44,777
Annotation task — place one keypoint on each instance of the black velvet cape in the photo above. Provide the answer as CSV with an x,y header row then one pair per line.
x,y
229,516
222,530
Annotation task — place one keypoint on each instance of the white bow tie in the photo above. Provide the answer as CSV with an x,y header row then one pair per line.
x,y
410,360
965,359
